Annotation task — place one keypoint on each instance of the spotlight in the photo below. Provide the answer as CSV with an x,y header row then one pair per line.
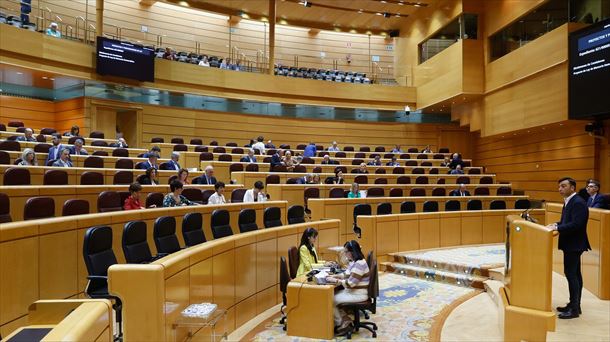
x,y
306,3
386,15
407,110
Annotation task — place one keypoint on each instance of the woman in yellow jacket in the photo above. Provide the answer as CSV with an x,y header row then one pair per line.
x,y
308,257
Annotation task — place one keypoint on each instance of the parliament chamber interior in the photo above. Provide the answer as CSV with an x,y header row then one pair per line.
x,y
295,170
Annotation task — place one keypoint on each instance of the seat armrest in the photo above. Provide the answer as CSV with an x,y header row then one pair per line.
x,y
95,277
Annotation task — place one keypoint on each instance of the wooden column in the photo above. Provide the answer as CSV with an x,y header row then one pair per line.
x,y
272,7
99,17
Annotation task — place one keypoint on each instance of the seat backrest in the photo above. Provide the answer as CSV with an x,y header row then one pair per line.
x,y
311,193
348,148
124,163
443,150
296,214
221,225
5,208
109,201
419,192
97,134
398,170
75,207
463,180
155,198
200,148
120,152
421,180
164,234
361,179
100,153
225,158
523,204
55,177
97,250
481,191
504,190
497,205
236,167
219,149
237,195
38,208
365,149
362,209
157,140
10,145
474,204
177,141
474,171
247,220
412,150
135,245
272,179
91,178
272,217
99,143
375,192
5,158
123,177
486,180
94,161
193,194
252,167
430,206
403,180
453,205
192,229
395,192
336,193
15,124
42,148
439,192
293,261
206,156
407,207
284,278
384,208
17,176
380,171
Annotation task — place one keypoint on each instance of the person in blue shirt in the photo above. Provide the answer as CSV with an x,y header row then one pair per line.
x,y
52,31
310,150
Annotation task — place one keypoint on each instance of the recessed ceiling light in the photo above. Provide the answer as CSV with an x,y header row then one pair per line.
x,y
19,73
400,3
360,11
378,13
52,79
44,77
384,2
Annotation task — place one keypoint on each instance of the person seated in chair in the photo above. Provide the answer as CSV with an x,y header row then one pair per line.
x,y
307,179
55,150
173,163
53,31
151,177
183,176
338,179
456,160
255,194
218,197
460,192
28,158
326,160
250,158
175,198
310,150
457,171
308,257
334,147
396,149
74,132
133,201
446,162
64,159
426,149
376,161
393,162
28,135
362,169
288,161
151,162
355,282
122,143
269,144
354,191
207,177
595,200
276,159
78,149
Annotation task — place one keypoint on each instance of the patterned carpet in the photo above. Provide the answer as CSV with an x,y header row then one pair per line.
x,y
408,309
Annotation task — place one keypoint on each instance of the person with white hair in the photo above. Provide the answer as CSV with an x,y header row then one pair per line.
x,y
173,163
250,158
28,135
28,158
53,31
334,147
78,149
207,177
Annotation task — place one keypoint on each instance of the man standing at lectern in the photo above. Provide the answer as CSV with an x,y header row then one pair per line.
x,y
573,242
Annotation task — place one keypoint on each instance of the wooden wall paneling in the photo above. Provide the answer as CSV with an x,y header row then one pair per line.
x,y
73,112
499,14
450,229
35,114
440,77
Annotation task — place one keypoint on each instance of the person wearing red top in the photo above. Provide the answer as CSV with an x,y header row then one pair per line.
x,y
133,201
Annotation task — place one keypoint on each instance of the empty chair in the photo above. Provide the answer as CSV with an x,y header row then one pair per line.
x,y
418,171
398,170
15,124
252,168
417,192
463,180
300,169
124,163
192,229
285,277
430,206
381,181
10,145
97,135
361,179
523,204
359,155
340,154
384,208
101,143
422,156
135,245
426,163
380,171
39,208
98,257
193,195
403,180
411,163
433,171
405,156
379,149
336,193
94,162
474,171
225,158
157,140
348,148
247,220
502,191
375,192
421,180
438,156
486,180
272,179
236,167
497,205
395,192
443,150
365,149
100,153
214,143
237,150
272,217
154,198
196,141
206,156
17,176
412,150
75,207
42,148
91,178
439,192
120,152
407,207
220,222
219,149
122,177
180,148
440,181
201,149
55,177
357,161
474,204
5,208
164,234
453,205
2,127
360,209
232,144
176,140
296,214
278,168
237,195
301,146
481,191
5,158
109,201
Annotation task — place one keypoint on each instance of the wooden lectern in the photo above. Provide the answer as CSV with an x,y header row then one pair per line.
x,y
528,281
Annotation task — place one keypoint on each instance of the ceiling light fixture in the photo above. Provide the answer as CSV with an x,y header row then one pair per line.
x,y
386,15
378,13
306,3
360,11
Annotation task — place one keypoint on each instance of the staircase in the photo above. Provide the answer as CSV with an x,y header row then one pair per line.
x,y
462,266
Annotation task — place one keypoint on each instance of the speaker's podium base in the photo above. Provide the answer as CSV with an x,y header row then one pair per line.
x,y
524,324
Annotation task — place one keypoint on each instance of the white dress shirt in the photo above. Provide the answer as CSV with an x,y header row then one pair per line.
x,y
249,196
567,199
216,199
259,146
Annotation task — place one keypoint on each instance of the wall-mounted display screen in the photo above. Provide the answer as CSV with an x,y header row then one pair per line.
x,y
123,59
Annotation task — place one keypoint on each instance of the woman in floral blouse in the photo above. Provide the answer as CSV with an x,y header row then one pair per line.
x,y
175,198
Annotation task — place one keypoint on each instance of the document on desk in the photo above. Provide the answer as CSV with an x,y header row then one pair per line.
x,y
321,277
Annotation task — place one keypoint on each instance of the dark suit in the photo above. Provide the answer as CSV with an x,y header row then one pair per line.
x,y
204,180
598,202
276,160
54,152
247,159
573,242
301,180
458,193
172,165
146,165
